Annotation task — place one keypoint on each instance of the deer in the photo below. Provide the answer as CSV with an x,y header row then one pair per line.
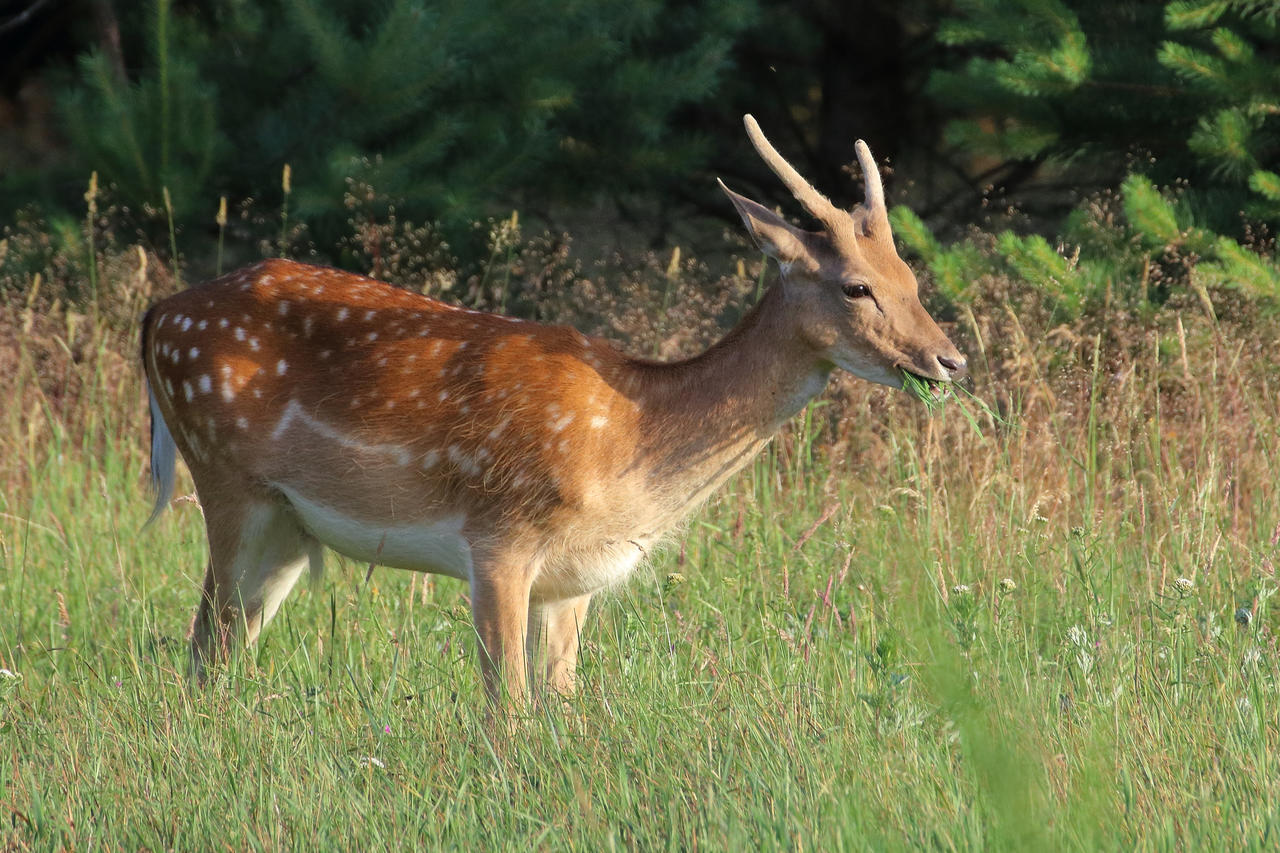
x,y
319,408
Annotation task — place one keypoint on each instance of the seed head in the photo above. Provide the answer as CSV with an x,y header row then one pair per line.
x,y
1184,586
1007,585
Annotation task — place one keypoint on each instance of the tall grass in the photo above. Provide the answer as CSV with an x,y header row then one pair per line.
x,y
895,630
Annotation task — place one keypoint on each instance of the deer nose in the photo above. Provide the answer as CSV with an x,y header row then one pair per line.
x,y
954,366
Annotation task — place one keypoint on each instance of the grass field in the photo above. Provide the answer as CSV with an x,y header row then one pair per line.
x,y
895,630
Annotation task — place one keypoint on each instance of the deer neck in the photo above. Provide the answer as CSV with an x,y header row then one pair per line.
x,y
704,418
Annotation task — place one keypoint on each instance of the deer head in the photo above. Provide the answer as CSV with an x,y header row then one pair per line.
x,y
852,298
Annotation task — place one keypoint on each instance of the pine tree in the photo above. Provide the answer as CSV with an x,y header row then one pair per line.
x,y
1227,55
449,107
1083,92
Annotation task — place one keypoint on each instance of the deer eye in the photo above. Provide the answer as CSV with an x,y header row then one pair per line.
x,y
856,290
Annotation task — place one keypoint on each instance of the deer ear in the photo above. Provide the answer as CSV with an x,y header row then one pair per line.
x,y
774,235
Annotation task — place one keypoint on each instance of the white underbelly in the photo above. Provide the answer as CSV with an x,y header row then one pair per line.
x,y
435,546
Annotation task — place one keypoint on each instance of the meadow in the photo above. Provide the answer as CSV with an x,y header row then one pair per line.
x,y
1047,625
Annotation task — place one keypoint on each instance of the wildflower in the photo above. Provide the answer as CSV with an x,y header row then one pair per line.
x,y
673,580
8,673
1077,636
960,589
1184,586
1007,585
387,729
371,761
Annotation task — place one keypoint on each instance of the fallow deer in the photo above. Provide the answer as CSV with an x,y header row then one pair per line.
x,y
315,408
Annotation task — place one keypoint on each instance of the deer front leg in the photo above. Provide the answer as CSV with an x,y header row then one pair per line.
x,y
554,632
500,612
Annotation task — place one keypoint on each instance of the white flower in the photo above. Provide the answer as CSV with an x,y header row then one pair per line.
x,y
960,589
1077,636
8,673
1007,585
368,760
1184,586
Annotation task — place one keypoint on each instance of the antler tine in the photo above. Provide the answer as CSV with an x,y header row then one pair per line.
x,y
871,177
815,202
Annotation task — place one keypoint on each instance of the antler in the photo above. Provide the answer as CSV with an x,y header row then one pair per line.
x,y
871,177
815,202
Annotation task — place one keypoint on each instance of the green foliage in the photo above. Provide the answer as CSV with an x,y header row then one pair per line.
x,y
1149,212
1231,68
1238,267
159,131
1084,85
454,104
954,267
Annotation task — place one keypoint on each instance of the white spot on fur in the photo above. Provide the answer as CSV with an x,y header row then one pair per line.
x,y
206,384
342,314
372,336
281,367
253,344
194,353
239,333
465,463
283,307
599,422
186,323
223,323
497,431
187,390
202,325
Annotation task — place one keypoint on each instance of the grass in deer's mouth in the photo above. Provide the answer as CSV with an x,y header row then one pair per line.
x,y
928,391
935,394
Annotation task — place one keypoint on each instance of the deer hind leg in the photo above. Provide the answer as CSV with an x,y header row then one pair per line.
x,y
257,551
554,632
